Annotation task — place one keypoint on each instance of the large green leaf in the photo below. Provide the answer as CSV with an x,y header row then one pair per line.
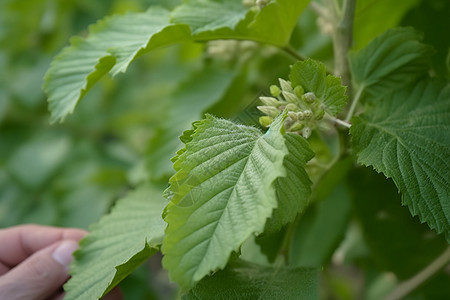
x,y
112,44
272,24
118,244
200,91
313,243
312,76
395,58
406,137
294,189
244,280
206,16
222,193
368,14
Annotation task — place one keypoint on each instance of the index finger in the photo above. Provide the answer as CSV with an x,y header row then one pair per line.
x,y
17,243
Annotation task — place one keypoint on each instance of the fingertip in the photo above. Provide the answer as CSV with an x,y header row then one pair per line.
x,y
63,254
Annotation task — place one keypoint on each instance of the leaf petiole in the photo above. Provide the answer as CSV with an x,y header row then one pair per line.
x,y
355,101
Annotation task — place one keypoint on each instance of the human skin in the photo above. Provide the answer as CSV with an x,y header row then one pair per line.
x,y
34,262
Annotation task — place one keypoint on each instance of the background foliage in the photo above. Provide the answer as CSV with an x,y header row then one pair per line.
x,y
125,131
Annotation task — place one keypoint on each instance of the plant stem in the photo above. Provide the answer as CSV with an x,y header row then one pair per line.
x,y
286,246
319,10
346,124
409,285
355,101
343,38
292,53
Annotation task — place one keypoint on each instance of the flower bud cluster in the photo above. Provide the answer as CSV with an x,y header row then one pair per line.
x,y
304,110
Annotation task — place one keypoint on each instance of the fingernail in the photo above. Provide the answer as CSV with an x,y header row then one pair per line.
x,y
63,254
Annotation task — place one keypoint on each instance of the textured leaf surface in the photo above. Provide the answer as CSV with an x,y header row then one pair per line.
x,y
312,76
395,58
192,97
118,244
406,137
313,243
204,16
222,193
273,24
243,280
294,189
113,43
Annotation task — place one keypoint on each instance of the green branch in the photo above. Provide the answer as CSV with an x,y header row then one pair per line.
x,y
343,38
409,285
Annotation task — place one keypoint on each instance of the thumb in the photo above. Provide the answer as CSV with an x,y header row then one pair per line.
x,y
40,275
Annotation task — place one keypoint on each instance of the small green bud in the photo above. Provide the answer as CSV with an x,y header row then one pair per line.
x,y
265,121
291,107
306,132
269,110
292,115
310,97
290,97
307,114
299,91
275,90
270,101
300,116
286,85
297,126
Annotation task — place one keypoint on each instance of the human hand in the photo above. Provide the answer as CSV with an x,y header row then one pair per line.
x,y
34,262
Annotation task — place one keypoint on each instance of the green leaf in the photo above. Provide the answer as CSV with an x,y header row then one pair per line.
x,y
294,189
244,280
113,43
118,244
222,193
200,91
203,16
368,16
395,58
273,24
312,76
406,137
313,243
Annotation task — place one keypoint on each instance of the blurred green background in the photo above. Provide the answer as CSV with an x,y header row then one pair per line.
x,y
125,131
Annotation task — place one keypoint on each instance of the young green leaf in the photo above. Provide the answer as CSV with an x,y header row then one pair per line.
x,y
207,16
406,137
312,76
313,243
200,91
113,43
271,24
373,17
244,280
395,58
118,244
294,189
222,193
